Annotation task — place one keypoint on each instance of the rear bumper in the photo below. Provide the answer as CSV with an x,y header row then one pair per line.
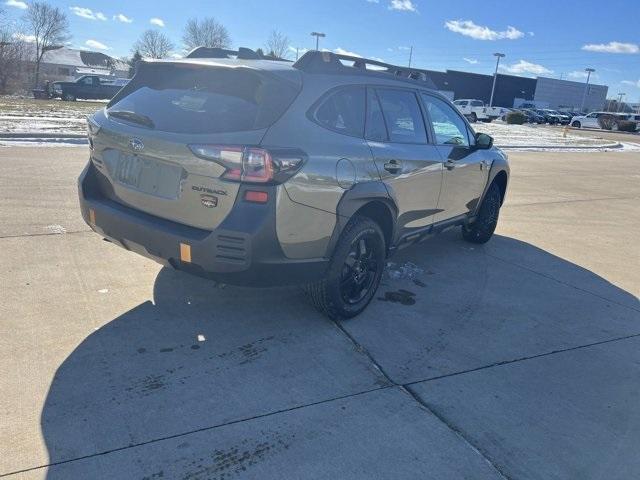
x,y
243,250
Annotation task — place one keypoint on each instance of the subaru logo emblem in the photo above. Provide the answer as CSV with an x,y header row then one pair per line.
x,y
136,144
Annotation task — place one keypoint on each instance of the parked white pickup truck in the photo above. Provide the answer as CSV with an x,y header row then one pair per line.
x,y
476,110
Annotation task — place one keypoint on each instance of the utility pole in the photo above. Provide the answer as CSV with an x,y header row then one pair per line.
x,y
495,75
297,49
318,35
410,55
586,86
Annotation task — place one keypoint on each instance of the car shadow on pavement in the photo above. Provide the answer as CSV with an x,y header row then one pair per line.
x,y
200,355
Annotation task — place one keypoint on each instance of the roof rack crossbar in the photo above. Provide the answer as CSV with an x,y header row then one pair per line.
x,y
329,62
242,53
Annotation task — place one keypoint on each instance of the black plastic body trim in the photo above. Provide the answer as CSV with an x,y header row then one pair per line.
x,y
243,250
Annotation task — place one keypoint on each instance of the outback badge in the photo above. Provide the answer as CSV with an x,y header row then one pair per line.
x,y
209,201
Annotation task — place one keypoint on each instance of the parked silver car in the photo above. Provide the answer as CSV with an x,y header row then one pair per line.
x,y
258,172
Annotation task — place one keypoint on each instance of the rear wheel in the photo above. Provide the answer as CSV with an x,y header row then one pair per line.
x,y
485,224
354,271
69,97
576,124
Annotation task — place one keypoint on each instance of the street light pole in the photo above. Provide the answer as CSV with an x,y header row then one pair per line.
x,y
586,86
495,76
620,95
318,35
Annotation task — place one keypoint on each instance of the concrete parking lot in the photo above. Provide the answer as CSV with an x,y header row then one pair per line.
x,y
519,359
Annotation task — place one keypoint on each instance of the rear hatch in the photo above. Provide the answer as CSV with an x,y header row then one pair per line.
x,y
141,141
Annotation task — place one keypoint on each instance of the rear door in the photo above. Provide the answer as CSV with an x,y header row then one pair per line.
x,y
149,132
409,166
466,168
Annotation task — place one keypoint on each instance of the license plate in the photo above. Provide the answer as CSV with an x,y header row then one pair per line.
x,y
148,176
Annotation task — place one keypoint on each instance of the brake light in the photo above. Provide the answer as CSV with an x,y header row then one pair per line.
x,y
251,164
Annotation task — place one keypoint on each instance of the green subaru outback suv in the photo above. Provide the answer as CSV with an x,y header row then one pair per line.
x,y
257,172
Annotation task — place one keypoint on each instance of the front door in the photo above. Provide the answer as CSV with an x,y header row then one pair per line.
x,y
409,166
466,169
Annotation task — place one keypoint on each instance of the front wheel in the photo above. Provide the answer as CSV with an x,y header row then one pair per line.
x,y
473,118
481,230
354,271
69,97
576,124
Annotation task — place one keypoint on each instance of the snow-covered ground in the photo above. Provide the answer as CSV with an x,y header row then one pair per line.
x,y
50,118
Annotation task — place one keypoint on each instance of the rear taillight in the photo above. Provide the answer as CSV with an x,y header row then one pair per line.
x,y
252,164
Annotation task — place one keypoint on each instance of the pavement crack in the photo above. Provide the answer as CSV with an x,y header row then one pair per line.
x,y
576,200
549,277
197,430
459,433
44,234
522,359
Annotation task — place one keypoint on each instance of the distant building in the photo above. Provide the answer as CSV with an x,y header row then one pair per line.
x,y
512,90
67,64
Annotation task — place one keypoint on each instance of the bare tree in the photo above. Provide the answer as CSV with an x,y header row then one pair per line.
x,y
278,44
13,55
205,33
49,27
153,44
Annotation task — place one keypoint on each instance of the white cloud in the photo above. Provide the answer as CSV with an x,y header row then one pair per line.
x,y
531,34
524,67
373,1
88,13
612,47
157,21
24,38
472,61
631,82
16,4
96,44
479,32
301,51
121,17
580,74
404,48
342,51
403,5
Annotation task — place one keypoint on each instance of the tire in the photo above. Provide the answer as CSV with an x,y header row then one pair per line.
x,y
614,127
354,271
576,124
485,224
473,118
69,97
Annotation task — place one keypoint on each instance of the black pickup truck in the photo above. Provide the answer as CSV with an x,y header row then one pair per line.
x,y
91,87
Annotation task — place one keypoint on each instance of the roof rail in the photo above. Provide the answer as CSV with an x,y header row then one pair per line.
x,y
315,61
242,53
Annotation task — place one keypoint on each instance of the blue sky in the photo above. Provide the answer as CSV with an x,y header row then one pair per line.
x,y
548,38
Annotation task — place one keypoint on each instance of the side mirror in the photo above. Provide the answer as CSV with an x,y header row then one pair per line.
x,y
484,141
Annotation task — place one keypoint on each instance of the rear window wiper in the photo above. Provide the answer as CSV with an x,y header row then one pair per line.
x,y
132,117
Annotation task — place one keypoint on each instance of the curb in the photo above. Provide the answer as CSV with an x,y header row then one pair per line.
x,y
61,136
564,147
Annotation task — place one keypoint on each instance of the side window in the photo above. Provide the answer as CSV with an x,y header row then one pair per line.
x,y
402,116
374,129
477,103
86,81
343,111
448,126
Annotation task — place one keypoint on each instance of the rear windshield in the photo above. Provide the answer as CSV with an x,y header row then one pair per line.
x,y
187,99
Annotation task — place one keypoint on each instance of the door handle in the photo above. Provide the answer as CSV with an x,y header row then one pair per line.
x,y
393,166
450,164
